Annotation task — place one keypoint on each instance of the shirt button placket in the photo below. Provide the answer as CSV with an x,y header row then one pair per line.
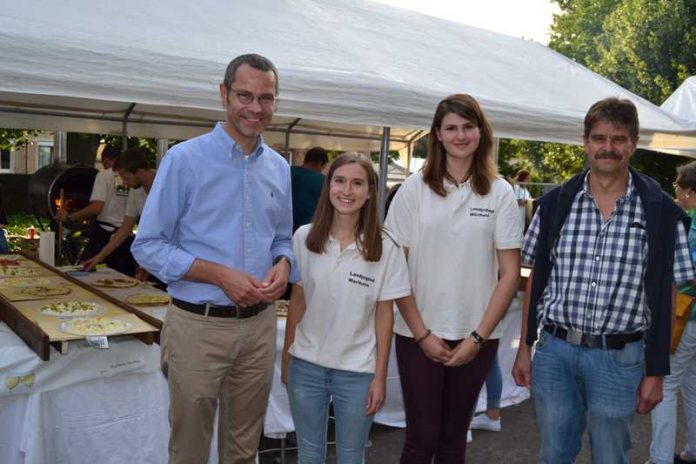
x,y
247,218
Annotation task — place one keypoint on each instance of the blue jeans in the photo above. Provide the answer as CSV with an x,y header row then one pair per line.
x,y
576,386
494,385
310,388
664,416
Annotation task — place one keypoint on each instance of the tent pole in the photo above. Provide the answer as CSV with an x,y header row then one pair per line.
x,y
162,145
383,165
496,150
287,139
124,126
410,151
60,144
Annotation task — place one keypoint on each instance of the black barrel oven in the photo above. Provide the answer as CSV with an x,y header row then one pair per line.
x,y
45,186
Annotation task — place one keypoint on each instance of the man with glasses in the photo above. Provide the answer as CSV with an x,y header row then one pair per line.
x,y
217,229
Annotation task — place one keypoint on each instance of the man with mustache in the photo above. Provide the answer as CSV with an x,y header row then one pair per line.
x,y
606,249
217,229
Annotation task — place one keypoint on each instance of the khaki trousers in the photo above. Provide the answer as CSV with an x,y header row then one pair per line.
x,y
211,361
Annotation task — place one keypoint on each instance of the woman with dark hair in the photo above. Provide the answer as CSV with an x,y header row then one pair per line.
x,y
683,360
458,221
340,316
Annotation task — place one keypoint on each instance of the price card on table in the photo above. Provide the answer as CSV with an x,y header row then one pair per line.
x,y
98,341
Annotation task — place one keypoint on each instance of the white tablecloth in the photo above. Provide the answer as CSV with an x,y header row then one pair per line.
x,y
279,420
107,406
110,406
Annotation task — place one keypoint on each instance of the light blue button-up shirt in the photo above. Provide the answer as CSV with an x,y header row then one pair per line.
x,y
210,201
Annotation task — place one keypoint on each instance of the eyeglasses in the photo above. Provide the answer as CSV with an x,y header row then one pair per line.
x,y
245,97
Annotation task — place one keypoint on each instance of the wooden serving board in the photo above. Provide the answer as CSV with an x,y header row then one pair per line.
x,y
17,293
19,282
39,331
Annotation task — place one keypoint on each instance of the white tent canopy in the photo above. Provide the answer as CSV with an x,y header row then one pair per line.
x,y
682,102
347,67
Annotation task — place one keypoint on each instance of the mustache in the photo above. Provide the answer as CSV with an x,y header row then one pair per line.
x,y
608,155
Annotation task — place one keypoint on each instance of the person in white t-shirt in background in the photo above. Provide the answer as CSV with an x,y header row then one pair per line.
x,y
132,166
107,204
459,222
521,193
490,419
340,316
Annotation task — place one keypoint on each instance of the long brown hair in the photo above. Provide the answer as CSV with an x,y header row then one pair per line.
x,y
483,170
368,234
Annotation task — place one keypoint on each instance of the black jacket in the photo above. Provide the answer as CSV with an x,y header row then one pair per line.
x,y
662,216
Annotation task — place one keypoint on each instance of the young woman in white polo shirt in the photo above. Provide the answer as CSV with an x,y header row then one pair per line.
x,y
340,316
459,222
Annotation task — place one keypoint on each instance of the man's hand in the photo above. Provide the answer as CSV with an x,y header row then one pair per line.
x,y
376,395
141,274
61,214
522,369
284,366
463,353
241,288
436,349
649,394
276,281
90,263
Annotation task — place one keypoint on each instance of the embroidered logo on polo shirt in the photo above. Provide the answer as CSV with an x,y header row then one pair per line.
x,y
481,212
360,279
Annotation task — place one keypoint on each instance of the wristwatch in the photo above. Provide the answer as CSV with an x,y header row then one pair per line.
x,y
280,258
478,339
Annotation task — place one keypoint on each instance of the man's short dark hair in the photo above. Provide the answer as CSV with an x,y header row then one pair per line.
x,y
616,111
317,155
255,61
131,160
109,152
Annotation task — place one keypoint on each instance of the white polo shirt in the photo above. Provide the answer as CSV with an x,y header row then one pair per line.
x,y
136,202
106,189
341,291
452,245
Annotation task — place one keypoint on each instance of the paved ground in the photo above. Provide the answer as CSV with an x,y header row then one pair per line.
x,y
517,443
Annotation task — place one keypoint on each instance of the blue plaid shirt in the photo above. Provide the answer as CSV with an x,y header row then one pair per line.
x,y
596,280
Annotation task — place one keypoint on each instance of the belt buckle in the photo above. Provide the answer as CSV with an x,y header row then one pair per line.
x,y
573,337
245,312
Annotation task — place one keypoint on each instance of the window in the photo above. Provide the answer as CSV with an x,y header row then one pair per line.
x,y
5,161
44,155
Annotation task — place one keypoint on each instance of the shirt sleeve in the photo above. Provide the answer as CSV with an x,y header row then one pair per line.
x,y
131,207
403,210
530,241
509,228
155,247
299,248
282,242
396,282
683,265
100,189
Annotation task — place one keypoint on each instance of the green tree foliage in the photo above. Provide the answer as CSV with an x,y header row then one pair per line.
x,y
147,146
646,46
548,162
16,138
575,32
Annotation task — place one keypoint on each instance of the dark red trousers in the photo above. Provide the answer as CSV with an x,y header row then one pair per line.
x,y
439,402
